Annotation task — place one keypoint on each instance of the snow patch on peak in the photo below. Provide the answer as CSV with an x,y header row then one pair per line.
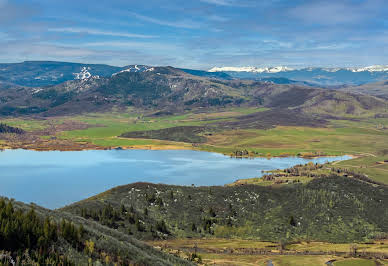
x,y
84,74
135,68
332,69
252,69
374,68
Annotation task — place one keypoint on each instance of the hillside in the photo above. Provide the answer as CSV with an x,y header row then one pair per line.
x,y
321,102
44,73
158,88
54,237
334,209
174,91
378,89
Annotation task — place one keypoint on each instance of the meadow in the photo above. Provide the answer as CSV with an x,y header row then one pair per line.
x,y
364,138
247,252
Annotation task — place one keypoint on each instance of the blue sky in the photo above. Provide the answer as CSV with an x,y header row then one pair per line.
x,y
198,33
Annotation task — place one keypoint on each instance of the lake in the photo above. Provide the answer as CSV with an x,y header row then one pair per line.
x,y
53,178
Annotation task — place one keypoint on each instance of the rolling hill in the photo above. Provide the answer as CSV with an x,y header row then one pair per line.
x,y
334,209
174,90
378,89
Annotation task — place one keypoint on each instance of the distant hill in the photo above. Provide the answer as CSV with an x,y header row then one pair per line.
x,y
43,73
48,73
174,90
159,87
202,73
378,89
314,75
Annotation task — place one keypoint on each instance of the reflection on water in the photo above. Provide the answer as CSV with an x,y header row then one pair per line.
x,y
54,179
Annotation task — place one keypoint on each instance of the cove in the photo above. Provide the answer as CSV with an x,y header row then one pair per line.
x,y
54,179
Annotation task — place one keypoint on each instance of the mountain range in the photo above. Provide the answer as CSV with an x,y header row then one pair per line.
x,y
45,73
316,75
174,90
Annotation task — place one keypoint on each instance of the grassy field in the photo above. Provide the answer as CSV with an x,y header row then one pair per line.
x,y
239,252
373,166
28,125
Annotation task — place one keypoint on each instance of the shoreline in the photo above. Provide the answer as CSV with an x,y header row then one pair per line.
x,y
163,147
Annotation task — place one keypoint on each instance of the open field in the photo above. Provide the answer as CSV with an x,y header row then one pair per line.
x,y
250,252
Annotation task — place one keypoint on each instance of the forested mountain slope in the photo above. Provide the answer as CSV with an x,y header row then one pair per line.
x,y
334,209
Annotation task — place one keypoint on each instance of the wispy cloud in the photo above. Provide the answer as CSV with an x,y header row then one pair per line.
x,y
217,18
188,24
220,2
332,13
132,45
196,33
100,32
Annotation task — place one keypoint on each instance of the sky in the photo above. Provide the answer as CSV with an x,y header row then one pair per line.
x,y
196,33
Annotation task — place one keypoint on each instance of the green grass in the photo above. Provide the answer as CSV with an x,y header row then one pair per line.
x,y
27,125
217,250
332,141
368,165
106,127
355,262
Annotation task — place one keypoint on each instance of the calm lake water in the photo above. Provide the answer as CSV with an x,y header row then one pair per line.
x,y
53,178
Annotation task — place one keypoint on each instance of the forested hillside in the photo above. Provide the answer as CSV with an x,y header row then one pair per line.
x,y
30,235
334,209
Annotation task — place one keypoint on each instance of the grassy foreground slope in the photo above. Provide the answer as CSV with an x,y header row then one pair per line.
x,y
31,234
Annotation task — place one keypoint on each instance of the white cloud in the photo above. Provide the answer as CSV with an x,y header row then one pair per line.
x,y
132,45
333,13
188,24
217,18
220,2
100,32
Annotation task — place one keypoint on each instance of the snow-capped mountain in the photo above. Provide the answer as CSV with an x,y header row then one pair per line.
x,y
84,74
251,69
135,68
317,75
375,68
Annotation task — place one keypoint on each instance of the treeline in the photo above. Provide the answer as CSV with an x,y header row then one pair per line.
x,y
244,153
129,220
8,129
356,175
317,171
28,237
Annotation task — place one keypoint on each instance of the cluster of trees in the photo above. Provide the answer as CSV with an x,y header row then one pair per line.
x,y
8,129
106,216
128,218
303,167
356,175
244,153
27,236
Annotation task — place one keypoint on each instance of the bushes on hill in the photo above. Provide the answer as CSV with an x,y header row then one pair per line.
x,y
8,129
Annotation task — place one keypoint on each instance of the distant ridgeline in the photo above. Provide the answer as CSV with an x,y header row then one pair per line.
x,y
8,129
